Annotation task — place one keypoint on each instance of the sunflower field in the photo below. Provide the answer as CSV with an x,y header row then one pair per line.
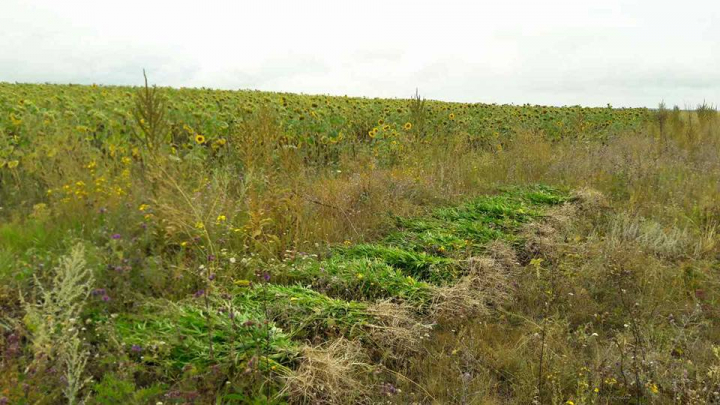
x,y
197,246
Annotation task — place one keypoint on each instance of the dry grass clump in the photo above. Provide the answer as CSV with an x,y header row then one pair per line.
x,y
670,242
331,373
503,254
398,332
486,285
588,200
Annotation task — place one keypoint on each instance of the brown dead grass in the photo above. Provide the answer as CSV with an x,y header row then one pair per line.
x,y
331,373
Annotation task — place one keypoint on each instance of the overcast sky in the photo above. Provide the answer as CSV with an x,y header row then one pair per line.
x,y
627,53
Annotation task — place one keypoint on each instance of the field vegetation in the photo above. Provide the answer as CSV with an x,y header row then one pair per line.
x,y
194,246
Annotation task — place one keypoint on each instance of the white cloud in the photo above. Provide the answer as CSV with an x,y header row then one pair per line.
x,y
550,52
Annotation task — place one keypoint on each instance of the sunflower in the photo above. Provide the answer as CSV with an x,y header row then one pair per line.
x,y
451,116
199,139
407,126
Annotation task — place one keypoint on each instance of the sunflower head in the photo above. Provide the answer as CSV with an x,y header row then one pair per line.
x,y
407,126
199,139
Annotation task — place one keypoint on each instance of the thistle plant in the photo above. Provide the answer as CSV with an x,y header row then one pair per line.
x,y
149,114
418,113
53,320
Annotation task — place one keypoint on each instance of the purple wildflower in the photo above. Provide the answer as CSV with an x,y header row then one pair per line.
x,y
199,293
136,348
211,277
98,291
106,298
388,389
266,276
116,236
211,258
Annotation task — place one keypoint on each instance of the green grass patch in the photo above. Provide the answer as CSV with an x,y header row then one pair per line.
x,y
303,312
172,335
358,278
420,265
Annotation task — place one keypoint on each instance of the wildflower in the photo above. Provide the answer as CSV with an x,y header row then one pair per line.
x,y
211,258
116,236
136,348
232,260
221,141
199,225
126,160
143,207
183,243
199,139
221,218
199,293
569,402
106,298
407,126
266,277
359,276
653,388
